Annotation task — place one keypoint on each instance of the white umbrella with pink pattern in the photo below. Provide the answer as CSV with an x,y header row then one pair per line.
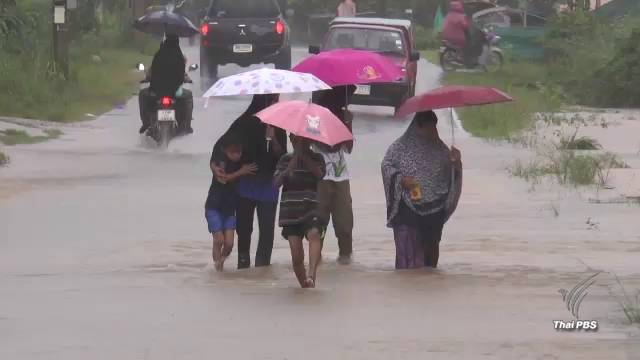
x,y
266,81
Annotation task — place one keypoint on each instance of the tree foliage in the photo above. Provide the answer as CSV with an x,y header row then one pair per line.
x,y
9,21
619,79
595,62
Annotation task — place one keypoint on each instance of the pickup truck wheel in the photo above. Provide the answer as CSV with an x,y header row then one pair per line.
x,y
412,91
283,62
396,107
208,71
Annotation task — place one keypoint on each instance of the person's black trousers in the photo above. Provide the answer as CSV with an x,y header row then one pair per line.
x,y
244,228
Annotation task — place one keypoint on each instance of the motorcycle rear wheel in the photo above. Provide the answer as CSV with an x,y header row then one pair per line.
x,y
448,60
165,130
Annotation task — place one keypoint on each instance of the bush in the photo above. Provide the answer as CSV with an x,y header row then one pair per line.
x,y
567,167
426,38
576,45
580,143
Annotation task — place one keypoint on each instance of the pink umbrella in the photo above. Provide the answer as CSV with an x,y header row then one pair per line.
x,y
306,120
350,67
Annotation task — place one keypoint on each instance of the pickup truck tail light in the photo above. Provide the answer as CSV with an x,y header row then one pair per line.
x,y
204,29
280,27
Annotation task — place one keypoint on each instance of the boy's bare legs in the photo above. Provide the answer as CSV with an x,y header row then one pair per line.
x,y
297,259
216,251
227,246
315,252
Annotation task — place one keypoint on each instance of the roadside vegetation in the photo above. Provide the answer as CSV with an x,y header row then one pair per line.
x,y
102,57
568,167
562,155
588,62
4,159
629,303
18,137
503,121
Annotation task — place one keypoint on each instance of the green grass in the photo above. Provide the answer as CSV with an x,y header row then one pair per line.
x,y
16,137
432,56
503,121
94,87
4,159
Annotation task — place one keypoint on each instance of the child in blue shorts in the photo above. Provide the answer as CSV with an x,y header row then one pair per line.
x,y
220,208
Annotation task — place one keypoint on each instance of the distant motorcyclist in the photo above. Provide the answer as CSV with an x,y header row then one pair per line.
x,y
456,26
167,74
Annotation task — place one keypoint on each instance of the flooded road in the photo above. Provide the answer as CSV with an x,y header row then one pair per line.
x,y
104,254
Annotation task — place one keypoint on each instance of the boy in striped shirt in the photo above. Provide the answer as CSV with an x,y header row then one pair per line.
x,y
299,174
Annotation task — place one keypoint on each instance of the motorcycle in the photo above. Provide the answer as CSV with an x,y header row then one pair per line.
x,y
490,60
164,119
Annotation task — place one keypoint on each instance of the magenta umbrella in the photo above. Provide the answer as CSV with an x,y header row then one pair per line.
x,y
350,67
451,97
306,120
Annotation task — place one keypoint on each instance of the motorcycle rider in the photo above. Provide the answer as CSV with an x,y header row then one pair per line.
x,y
167,74
456,26
461,32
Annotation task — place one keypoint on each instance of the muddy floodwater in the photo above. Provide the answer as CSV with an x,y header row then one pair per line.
x,y
104,254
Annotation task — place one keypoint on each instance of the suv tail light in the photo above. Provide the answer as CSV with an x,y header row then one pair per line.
x,y
166,101
280,27
204,29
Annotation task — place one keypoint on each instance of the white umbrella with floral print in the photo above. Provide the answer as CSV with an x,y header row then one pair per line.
x,y
266,81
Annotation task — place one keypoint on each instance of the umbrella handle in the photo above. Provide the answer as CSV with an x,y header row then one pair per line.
x,y
453,141
453,133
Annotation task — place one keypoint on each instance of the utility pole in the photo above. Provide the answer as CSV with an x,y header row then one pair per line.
x,y
61,37
139,8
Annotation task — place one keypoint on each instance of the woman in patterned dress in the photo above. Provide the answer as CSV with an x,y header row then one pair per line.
x,y
417,173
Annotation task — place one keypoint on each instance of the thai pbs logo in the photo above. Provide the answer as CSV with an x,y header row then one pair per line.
x,y
576,325
573,299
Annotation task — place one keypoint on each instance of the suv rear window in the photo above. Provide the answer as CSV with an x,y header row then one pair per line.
x,y
236,9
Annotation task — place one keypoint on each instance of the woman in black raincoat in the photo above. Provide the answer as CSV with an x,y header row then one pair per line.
x,y
167,74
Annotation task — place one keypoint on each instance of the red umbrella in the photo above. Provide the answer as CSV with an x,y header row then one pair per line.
x,y
451,97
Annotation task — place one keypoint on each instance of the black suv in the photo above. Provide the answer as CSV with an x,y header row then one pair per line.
x,y
243,32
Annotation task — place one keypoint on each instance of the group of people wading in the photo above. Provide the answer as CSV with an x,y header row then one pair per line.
x,y
255,168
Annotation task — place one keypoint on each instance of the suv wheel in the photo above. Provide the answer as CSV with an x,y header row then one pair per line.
x,y
283,62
